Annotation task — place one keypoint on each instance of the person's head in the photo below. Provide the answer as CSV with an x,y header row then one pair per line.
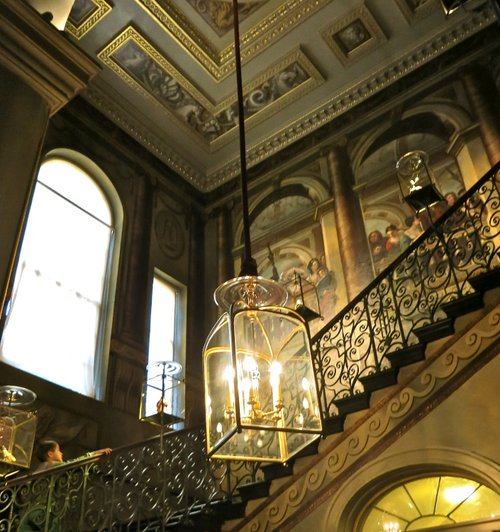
x,y
49,451
391,230
375,237
313,265
451,198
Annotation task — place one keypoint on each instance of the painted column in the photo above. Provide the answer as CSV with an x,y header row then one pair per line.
x,y
483,97
353,246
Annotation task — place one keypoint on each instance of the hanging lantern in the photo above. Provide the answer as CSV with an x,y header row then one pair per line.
x,y
304,295
261,401
159,392
260,392
416,180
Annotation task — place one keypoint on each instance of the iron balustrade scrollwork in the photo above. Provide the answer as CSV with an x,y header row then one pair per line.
x,y
147,486
409,294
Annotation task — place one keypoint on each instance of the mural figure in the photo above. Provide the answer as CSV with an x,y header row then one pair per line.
x,y
397,241
414,227
378,250
324,281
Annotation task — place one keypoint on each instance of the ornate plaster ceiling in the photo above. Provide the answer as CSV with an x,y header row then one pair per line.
x,y
168,69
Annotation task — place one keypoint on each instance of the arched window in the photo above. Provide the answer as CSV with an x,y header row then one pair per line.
x,y
57,324
425,503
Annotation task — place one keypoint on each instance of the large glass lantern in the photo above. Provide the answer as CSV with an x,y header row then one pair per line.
x,y
260,393
416,180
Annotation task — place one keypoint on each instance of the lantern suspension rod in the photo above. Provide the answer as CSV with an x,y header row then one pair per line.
x,y
248,265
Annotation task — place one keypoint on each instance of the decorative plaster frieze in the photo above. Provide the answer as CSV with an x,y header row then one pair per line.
x,y
387,420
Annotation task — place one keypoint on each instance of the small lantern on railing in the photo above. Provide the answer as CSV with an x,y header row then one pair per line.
x,y
162,394
17,429
416,180
304,296
260,391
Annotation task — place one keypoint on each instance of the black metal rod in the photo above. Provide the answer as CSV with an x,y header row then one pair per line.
x,y
248,266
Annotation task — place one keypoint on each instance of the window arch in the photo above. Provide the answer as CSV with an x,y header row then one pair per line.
x,y
58,320
430,502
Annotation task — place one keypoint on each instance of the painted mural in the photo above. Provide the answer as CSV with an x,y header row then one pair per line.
x,y
289,248
390,233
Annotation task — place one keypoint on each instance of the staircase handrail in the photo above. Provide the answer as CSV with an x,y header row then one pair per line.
x,y
438,268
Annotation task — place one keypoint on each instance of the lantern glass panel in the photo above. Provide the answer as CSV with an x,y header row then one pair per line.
x,y
263,402
17,434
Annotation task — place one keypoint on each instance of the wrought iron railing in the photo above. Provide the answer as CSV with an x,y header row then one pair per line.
x,y
149,486
409,296
168,480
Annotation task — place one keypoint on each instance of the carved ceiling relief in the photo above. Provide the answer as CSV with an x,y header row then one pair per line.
x,y
143,67
219,62
219,15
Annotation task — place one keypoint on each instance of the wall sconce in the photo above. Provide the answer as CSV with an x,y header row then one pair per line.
x,y
261,401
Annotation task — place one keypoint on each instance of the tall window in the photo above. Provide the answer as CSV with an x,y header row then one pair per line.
x,y
166,344
55,321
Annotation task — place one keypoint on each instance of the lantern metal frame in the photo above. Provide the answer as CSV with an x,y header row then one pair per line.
x,y
413,172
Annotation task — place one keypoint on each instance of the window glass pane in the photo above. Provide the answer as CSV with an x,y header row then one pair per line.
x,y
450,500
52,325
74,184
165,344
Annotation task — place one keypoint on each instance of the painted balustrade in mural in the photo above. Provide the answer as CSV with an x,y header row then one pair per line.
x,y
413,292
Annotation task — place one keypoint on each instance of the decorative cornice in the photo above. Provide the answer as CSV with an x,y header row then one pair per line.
x,y
387,420
41,56
147,71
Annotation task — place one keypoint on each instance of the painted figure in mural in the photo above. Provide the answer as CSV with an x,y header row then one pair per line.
x,y
396,241
377,246
414,227
324,281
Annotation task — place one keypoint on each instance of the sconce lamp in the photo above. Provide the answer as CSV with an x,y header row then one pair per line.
x,y
261,401
416,180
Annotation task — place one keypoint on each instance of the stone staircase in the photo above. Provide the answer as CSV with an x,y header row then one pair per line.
x,y
288,491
